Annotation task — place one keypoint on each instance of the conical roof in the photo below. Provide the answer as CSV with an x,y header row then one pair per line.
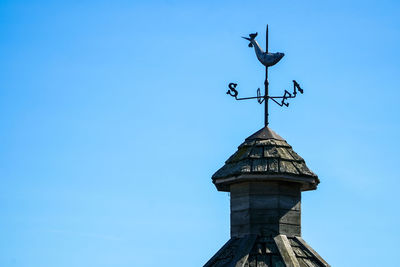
x,y
265,156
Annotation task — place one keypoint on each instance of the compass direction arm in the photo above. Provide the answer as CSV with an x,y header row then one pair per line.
x,y
287,95
234,93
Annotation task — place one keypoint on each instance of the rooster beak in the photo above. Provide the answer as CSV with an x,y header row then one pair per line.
x,y
248,39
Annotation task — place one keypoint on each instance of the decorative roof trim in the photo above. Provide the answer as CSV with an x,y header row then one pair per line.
x,y
286,251
312,251
308,183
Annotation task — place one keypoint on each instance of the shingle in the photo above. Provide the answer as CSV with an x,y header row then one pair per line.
x,y
287,167
271,152
257,152
303,169
294,155
266,142
282,144
259,165
273,165
284,154
242,153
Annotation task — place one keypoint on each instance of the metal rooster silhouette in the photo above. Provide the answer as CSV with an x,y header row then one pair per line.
x,y
267,59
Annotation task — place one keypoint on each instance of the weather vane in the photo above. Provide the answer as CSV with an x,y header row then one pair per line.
x,y
267,59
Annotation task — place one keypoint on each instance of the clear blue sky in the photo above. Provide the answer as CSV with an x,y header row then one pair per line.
x,y
113,117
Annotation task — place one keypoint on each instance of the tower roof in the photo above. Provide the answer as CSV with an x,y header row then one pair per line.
x,y
259,251
265,156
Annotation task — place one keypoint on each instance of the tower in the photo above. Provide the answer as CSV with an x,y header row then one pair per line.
x,y
265,179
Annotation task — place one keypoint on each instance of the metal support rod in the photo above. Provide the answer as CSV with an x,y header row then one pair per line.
x,y
266,84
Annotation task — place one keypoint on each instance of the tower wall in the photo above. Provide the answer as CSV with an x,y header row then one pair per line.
x,y
265,208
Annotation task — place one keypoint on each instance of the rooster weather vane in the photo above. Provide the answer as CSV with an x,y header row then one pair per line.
x,y
267,59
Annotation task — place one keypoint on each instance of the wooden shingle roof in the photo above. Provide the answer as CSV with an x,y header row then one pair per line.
x,y
265,155
267,251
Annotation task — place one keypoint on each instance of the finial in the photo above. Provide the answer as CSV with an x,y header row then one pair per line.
x,y
268,60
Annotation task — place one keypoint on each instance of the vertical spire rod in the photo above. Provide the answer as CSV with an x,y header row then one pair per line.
x,y
266,84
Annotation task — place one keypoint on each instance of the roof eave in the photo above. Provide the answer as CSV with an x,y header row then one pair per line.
x,y
307,183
